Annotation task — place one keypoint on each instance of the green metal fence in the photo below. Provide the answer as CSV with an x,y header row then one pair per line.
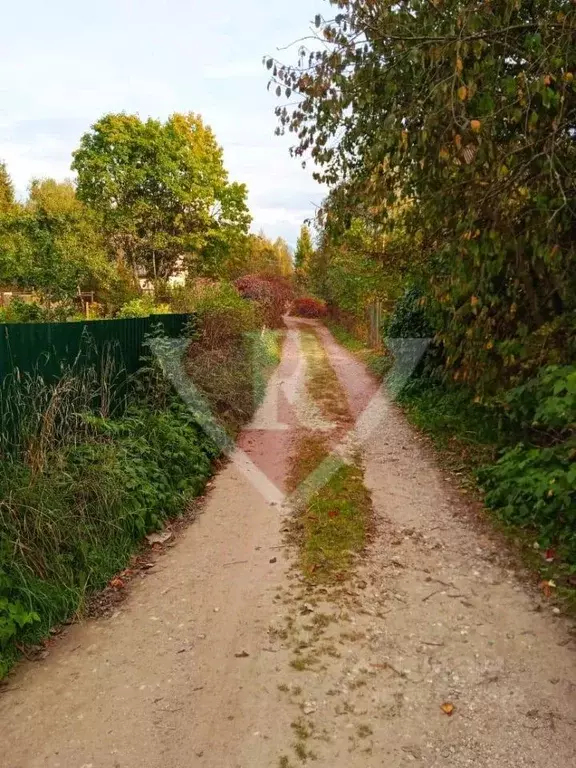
x,y
44,348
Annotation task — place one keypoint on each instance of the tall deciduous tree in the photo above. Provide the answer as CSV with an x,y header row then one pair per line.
x,y
468,110
283,257
162,190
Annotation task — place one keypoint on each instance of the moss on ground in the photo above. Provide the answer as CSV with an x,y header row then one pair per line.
x,y
330,525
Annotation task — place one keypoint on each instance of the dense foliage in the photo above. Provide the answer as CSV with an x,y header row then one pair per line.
x,y
52,243
445,131
87,468
152,201
308,306
162,190
463,114
272,295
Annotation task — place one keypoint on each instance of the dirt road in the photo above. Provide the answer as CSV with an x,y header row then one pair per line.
x,y
197,667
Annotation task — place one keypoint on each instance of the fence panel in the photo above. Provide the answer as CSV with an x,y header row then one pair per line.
x,y
44,347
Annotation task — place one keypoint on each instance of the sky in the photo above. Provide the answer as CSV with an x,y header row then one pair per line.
x,y
65,63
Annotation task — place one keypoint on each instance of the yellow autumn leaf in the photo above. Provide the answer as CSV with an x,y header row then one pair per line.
x,y
459,65
447,708
462,93
475,125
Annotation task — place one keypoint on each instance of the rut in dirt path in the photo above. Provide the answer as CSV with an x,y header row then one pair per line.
x,y
224,656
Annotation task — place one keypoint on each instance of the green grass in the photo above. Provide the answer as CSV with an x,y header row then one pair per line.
x,y
79,487
68,528
330,525
334,525
469,434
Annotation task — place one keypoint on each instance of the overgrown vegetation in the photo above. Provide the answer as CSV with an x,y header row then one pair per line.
x,y
91,463
233,353
308,306
82,480
452,201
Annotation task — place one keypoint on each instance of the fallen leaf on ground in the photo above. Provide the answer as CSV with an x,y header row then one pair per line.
x,y
447,708
116,583
241,655
547,587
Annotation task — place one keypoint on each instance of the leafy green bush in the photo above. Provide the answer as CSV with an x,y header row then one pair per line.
x,y
536,488
223,315
409,333
409,320
548,401
67,529
533,484
143,307
19,311
81,482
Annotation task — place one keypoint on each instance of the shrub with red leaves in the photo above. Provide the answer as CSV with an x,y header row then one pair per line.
x,y
272,294
309,307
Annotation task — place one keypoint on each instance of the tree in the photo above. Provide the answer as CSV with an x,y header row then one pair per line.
x,y
6,190
465,113
224,251
264,257
304,248
283,257
303,257
53,243
162,191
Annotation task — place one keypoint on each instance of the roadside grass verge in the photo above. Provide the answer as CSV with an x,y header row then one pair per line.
x,y
331,523
82,483
473,443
